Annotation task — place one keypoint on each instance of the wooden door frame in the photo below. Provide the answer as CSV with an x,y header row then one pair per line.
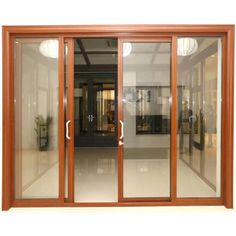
x,y
147,31
70,116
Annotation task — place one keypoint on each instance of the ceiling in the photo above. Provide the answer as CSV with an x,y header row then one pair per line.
x,y
97,51
104,51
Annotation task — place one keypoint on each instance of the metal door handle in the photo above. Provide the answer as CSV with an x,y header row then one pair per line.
x,y
122,129
120,143
91,118
67,129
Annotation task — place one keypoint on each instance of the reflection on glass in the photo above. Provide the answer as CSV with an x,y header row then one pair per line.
x,y
152,118
146,117
104,108
199,76
95,108
36,120
81,108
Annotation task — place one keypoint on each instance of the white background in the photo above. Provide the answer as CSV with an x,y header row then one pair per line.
x,y
117,221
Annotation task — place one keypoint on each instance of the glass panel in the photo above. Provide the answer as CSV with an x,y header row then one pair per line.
x,y
183,124
36,118
146,117
199,80
81,107
196,101
104,107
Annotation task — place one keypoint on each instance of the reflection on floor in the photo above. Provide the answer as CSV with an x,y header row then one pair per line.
x,y
96,177
146,172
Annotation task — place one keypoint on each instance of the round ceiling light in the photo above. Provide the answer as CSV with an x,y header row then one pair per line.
x,y
49,48
127,48
187,46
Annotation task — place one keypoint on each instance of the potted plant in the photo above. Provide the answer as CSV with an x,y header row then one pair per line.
x,y
42,131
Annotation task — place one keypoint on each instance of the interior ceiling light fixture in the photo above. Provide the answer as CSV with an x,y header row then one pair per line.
x,y
49,48
127,48
186,46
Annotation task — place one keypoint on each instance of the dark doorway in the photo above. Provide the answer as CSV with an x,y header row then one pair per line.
x,y
95,92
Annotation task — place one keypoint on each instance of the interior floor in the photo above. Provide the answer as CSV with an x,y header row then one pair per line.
x,y
96,177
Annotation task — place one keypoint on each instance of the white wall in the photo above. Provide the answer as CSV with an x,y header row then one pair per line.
x,y
38,95
135,78
117,221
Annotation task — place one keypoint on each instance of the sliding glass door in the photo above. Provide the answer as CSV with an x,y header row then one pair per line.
x,y
145,118
36,98
199,117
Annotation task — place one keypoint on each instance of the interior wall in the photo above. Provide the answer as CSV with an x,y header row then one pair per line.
x,y
136,78
39,95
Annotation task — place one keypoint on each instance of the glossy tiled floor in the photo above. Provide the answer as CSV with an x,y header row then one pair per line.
x,y
36,174
96,177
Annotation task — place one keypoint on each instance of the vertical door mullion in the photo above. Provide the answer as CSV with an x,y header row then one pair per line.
x,y
61,120
120,117
173,144
70,117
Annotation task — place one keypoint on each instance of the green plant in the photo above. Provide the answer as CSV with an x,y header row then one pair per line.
x,y
42,131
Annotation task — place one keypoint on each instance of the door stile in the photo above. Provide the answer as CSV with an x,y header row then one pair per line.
x,y
120,118
61,120
174,120
70,119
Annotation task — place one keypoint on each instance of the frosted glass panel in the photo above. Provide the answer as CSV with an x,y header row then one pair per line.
x,y
36,118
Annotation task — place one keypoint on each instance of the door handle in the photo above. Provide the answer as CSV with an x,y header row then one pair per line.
x,y
122,129
121,143
91,118
67,129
